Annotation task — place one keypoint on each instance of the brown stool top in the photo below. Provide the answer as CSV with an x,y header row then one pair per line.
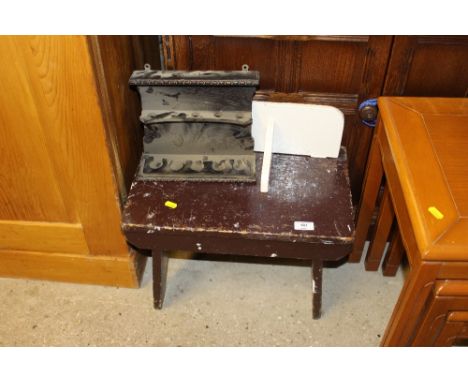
x,y
302,189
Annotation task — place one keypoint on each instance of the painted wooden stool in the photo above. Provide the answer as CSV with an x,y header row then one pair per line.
x,y
307,214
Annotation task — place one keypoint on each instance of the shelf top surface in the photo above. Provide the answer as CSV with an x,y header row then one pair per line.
x,y
428,140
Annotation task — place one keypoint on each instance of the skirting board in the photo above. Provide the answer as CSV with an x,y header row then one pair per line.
x,y
121,271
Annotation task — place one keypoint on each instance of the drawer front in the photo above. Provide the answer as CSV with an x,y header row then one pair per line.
x,y
446,316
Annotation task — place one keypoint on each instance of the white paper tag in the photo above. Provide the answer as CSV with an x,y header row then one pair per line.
x,y
304,226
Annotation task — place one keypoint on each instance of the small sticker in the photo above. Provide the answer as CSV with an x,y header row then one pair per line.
x,y
436,213
304,226
170,204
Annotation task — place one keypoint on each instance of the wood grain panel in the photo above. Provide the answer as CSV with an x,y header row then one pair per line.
x,y
449,139
59,199
347,103
454,288
436,321
146,49
230,53
61,78
382,230
335,67
176,52
288,63
452,332
439,69
349,38
202,51
314,69
372,81
29,189
428,66
114,59
394,255
371,188
453,270
83,269
39,236
167,45
458,317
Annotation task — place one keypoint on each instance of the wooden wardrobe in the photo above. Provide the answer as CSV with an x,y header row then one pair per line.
x,y
69,143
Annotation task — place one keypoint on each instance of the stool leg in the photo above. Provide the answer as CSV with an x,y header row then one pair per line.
x,y
372,181
394,255
382,230
159,277
317,267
